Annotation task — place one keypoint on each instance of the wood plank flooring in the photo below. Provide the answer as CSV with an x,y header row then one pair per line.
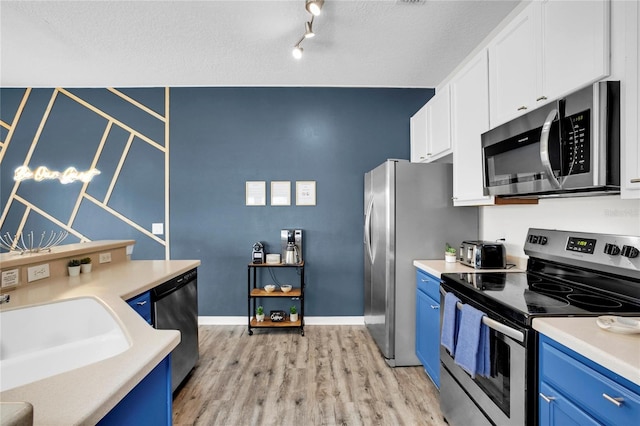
x,y
333,375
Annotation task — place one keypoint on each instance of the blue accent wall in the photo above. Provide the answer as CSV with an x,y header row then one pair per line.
x,y
219,138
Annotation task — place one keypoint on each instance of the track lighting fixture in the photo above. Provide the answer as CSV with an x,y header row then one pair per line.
x,y
314,7
297,51
308,30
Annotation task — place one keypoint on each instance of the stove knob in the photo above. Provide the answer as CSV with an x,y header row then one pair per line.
x,y
542,240
630,251
611,249
533,239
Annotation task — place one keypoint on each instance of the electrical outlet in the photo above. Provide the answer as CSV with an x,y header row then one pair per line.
x,y
105,257
10,278
38,272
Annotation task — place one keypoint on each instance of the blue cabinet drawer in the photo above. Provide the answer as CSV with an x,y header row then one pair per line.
x,y
587,387
428,283
142,305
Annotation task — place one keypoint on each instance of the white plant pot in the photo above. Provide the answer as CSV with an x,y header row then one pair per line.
x,y
293,317
260,318
449,257
85,267
74,271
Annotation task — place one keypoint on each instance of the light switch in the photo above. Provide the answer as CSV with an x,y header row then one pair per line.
x,y
157,228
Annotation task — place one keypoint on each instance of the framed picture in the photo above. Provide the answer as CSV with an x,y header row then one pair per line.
x,y
256,193
280,193
306,193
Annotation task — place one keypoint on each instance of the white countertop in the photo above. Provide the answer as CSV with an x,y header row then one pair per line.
x,y
619,353
439,267
86,394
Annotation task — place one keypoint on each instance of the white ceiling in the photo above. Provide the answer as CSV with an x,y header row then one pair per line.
x,y
363,43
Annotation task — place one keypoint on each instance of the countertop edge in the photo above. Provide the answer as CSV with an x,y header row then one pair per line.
x,y
12,260
438,267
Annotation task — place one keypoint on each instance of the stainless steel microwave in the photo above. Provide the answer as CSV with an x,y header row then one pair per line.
x,y
568,147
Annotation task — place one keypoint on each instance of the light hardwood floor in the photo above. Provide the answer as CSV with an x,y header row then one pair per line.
x,y
333,375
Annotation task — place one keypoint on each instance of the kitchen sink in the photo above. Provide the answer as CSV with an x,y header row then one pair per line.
x,y
40,341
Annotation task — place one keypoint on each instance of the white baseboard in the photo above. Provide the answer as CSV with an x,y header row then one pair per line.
x,y
242,320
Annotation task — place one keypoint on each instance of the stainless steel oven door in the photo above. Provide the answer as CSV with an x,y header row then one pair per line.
x,y
500,398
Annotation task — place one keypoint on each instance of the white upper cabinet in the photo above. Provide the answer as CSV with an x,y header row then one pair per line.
x,y
418,126
630,149
513,56
469,119
575,45
550,49
439,125
431,129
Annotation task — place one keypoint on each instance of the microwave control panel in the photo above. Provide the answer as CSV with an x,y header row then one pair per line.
x,y
576,152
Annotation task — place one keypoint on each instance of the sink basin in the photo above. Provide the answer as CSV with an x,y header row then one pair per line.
x,y
40,341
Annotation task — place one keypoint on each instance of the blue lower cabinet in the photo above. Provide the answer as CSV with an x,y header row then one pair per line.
x,y
428,324
149,403
576,390
142,305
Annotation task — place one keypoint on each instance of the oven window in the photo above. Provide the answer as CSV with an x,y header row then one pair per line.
x,y
498,385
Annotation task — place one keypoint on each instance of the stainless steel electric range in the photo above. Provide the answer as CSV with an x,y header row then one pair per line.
x,y
568,274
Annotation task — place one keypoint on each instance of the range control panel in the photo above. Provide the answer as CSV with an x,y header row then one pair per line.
x,y
581,245
618,254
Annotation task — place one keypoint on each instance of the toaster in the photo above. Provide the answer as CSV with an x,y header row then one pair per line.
x,y
483,254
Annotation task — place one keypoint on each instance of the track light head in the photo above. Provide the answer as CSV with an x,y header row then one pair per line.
x,y
308,30
314,7
297,51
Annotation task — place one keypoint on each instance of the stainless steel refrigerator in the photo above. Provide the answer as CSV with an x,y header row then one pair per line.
x,y
408,215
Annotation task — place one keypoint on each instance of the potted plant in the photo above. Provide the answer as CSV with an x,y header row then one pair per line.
x,y
85,264
450,254
259,314
74,267
293,311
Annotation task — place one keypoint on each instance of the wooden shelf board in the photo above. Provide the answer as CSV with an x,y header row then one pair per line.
x,y
259,292
268,323
277,265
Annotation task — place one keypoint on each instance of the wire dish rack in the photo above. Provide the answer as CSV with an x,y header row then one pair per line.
x,y
17,243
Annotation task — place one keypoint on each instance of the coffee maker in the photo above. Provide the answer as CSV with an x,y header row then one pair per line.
x,y
290,237
257,255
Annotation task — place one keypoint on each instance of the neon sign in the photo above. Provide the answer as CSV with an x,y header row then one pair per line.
x,y
42,173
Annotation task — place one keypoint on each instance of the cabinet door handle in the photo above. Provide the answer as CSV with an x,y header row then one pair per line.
x,y
547,398
616,401
541,98
141,303
522,108
635,180
434,306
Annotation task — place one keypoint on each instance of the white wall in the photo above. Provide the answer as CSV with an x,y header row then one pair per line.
x,y
606,214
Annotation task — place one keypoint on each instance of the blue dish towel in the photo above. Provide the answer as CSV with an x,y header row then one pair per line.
x,y
473,350
448,336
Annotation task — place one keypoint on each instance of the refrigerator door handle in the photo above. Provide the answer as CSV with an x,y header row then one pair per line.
x,y
367,229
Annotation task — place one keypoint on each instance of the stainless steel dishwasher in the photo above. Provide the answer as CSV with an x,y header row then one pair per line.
x,y
175,307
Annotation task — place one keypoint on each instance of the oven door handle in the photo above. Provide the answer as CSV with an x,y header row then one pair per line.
x,y
544,149
495,325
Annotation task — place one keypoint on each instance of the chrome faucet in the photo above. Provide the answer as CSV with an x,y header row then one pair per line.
x,y
4,298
